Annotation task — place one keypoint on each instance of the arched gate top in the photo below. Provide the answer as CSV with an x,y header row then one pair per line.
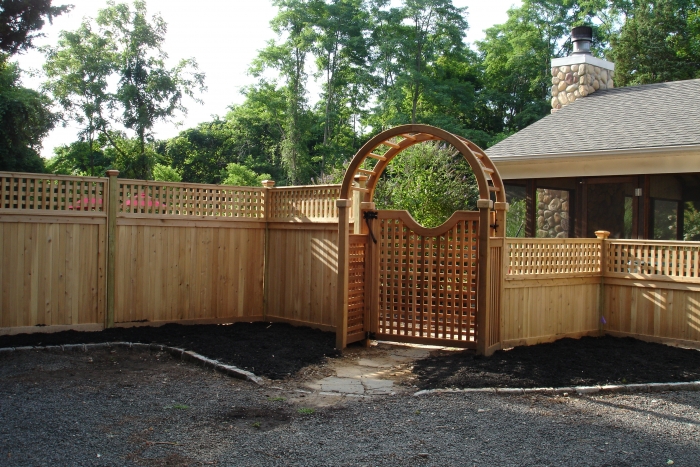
x,y
401,137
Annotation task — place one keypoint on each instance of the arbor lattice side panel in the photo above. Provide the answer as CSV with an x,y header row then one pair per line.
x,y
428,279
357,288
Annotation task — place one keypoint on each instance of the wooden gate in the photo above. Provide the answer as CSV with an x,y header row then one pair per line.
x,y
425,280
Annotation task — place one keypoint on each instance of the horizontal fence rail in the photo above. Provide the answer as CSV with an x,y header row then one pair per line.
x,y
652,260
553,257
39,192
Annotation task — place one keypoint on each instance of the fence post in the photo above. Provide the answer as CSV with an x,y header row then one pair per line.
x,y
112,203
269,185
602,235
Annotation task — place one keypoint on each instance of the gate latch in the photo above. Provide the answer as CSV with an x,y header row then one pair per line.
x,y
369,216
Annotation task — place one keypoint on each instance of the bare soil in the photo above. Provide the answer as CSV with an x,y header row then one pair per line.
x,y
273,350
587,361
280,351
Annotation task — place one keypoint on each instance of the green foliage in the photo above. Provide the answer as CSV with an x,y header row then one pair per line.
x,y
659,41
79,158
515,219
240,175
25,118
20,21
164,173
430,181
691,222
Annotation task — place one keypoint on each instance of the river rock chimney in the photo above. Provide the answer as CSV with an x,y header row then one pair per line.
x,y
579,74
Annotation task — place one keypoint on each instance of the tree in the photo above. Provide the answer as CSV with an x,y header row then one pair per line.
x,y
123,46
20,21
25,118
342,49
658,42
517,54
78,70
413,42
288,58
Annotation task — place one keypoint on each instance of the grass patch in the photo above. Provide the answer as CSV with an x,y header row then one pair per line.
x,y
306,411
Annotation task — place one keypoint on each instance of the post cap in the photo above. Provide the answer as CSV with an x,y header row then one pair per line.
x,y
484,204
268,183
602,234
112,173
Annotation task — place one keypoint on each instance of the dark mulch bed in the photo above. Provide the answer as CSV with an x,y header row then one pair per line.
x,y
274,350
567,362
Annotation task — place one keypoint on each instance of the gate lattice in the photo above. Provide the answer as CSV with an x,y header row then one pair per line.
x,y
427,279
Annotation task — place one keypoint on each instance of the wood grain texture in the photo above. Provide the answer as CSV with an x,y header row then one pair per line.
x,y
173,273
542,310
302,276
51,274
653,312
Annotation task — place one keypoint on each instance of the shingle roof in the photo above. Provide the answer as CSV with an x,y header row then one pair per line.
x,y
653,115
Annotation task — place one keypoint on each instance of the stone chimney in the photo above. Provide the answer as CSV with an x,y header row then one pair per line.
x,y
579,74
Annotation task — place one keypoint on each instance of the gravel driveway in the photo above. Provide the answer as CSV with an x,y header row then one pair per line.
x,y
127,408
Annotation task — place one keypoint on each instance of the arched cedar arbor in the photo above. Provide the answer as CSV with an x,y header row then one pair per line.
x,y
491,214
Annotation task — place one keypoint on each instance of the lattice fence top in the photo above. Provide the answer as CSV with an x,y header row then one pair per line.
x,y
304,202
653,260
138,197
39,192
529,256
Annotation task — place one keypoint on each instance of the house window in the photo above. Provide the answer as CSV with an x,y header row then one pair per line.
x,y
665,219
516,216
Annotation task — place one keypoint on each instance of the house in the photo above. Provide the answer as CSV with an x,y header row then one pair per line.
x,y
626,160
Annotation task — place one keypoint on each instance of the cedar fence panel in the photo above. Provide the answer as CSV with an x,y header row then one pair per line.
x,y
551,290
652,290
302,274
52,245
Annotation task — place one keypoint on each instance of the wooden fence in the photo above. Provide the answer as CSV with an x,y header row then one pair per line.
x,y
558,288
164,252
651,290
85,252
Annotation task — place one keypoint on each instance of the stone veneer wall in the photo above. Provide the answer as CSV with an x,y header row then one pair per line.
x,y
552,213
571,82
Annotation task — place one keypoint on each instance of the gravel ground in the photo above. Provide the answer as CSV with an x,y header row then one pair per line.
x,y
134,408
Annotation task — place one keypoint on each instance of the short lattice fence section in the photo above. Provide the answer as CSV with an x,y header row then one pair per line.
x,y
652,260
52,193
141,198
303,203
553,257
428,279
